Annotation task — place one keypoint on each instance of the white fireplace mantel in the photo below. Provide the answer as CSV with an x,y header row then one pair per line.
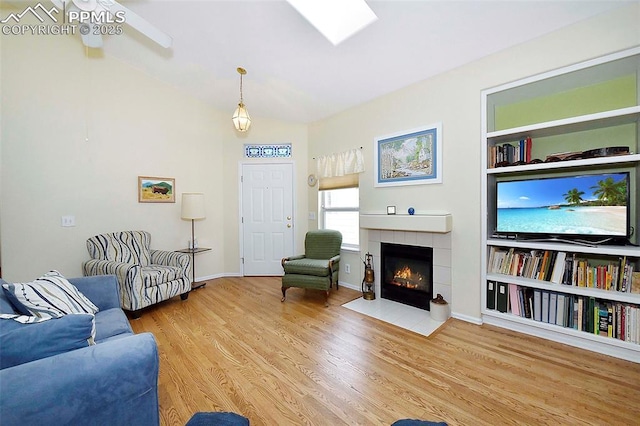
x,y
438,222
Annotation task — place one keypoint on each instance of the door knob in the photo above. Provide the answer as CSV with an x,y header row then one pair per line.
x,y
288,225
288,217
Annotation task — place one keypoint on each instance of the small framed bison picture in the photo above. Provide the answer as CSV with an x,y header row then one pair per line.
x,y
156,190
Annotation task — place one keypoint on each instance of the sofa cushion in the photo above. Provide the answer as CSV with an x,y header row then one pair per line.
x,y
49,296
111,323
153,275
306,266
22,343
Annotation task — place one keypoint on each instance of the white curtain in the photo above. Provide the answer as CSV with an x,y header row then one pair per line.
x,y
340,164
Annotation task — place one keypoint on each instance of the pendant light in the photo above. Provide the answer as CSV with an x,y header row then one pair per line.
x,y
241,119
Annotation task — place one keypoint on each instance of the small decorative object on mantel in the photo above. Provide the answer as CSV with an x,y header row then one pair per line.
x,y
411,211
391,209
439,308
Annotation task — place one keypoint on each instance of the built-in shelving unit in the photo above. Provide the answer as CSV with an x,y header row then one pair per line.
x,y
581,107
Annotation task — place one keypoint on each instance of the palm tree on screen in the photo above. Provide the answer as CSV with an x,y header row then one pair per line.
x,y
611,193
573,196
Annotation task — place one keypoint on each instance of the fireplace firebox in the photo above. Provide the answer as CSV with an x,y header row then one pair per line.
x,y
406,274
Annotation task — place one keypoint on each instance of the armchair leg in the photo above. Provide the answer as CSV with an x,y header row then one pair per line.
x,y
284,296
184,296
136,314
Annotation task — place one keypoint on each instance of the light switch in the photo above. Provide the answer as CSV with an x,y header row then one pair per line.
x,y
68,221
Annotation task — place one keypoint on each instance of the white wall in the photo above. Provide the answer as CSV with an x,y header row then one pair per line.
x,y
453,98
54,97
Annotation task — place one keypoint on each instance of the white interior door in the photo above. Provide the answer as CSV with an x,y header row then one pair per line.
x,y
267,217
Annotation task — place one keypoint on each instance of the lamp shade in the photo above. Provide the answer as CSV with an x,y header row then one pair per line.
x,y
241,119
193,205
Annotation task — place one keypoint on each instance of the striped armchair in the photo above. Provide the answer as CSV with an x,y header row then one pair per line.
x,y
145,276
318,268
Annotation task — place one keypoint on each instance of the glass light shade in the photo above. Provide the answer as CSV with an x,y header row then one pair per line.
x,y
193,205
241,119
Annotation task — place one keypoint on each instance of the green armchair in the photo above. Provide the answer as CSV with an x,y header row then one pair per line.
x,y
318,268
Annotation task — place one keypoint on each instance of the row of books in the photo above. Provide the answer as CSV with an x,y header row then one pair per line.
x,y
510,153
615,274
602,317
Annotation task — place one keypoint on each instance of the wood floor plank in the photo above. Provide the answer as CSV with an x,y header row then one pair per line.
x,y
233,346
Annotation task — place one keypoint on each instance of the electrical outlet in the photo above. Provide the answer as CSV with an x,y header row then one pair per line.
x,y
347,268
68,221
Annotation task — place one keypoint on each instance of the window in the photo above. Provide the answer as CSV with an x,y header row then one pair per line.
x,y
340,210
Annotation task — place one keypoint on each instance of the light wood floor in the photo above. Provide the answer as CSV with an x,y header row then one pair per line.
x,y
233,346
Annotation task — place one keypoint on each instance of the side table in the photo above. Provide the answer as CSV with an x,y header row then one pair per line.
x,y
194,284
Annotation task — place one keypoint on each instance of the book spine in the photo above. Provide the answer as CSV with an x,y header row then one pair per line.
x,y
622,285
609,320
560,314
537,305
514,301
545,306
553,307
580,308
502,297
603,322
491,295
618,322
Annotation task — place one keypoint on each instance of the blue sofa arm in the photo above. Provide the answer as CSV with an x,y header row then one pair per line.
x,y
102,290
112,383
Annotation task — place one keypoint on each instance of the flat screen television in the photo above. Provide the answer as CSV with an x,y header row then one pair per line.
x,y
593,208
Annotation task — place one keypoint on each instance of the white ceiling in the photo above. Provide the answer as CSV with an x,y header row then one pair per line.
x,y
295,74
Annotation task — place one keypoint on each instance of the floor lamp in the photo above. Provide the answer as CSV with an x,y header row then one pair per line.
x,y
192,209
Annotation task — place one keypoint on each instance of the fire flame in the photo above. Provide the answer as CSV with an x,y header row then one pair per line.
x,y
405,277
404,273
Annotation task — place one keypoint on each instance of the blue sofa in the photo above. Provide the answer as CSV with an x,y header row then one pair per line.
x,y
48,376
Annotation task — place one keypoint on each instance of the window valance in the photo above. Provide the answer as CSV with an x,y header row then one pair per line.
x,y
340,164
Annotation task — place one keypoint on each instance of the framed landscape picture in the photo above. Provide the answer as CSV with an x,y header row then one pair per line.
x,y
156,190
411,157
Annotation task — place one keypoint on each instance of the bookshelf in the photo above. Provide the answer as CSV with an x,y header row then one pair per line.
x,y
581,107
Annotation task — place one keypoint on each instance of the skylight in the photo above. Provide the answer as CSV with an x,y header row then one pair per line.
x,y
337,20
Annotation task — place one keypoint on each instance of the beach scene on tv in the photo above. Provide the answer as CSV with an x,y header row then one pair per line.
x,y
572,205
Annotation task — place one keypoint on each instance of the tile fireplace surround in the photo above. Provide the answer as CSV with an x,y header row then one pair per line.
x,y
425,230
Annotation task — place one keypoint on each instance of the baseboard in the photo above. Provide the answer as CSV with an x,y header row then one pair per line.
x,y
349,285
215,276
466,318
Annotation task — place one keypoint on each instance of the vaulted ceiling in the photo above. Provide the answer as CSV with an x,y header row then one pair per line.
x,y
295,74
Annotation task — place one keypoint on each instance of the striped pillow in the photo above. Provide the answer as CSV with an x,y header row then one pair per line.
x,y
49,296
